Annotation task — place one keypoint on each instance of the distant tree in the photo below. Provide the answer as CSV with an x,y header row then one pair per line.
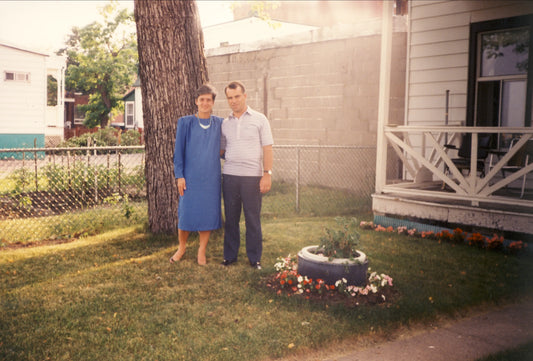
x,y
171,66
51,91
102,62
260,9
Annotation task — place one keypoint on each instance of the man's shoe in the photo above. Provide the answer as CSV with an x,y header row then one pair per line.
x,y
256,265
227,262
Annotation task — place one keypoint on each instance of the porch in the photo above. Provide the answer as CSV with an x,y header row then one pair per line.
x,y
418,179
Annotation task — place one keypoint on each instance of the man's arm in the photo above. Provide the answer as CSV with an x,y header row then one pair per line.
x,y
268,159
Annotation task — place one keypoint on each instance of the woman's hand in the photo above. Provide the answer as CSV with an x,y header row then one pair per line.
x,y
180,182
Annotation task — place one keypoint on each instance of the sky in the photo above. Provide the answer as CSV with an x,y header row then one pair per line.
x,y
44,25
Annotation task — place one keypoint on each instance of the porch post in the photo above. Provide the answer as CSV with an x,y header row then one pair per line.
x,y
384,94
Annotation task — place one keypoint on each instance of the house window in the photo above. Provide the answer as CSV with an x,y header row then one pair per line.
x,y
16,76
79,115
499,82
130,114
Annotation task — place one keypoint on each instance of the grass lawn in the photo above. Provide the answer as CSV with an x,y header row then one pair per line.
x,y
115,296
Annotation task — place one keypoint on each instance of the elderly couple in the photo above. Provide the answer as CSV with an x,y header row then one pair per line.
x,y
245,141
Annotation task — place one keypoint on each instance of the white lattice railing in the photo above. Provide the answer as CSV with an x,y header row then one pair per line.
x,y
427,162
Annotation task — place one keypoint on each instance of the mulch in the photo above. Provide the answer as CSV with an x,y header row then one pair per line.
x,y
384,297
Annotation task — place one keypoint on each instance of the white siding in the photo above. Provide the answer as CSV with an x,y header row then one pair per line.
x,y
438,54
138,108
22,104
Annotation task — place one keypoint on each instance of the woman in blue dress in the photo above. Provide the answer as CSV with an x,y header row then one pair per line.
x,y
197,172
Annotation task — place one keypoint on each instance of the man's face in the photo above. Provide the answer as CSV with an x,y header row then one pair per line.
x,y
236,100
205,103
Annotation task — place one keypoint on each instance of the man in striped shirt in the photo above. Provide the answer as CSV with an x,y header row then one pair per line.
x,y
246,143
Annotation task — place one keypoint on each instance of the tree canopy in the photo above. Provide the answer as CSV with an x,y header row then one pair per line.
x,y
102,62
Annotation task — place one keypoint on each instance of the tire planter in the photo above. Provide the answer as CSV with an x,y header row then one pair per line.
x,y
317,266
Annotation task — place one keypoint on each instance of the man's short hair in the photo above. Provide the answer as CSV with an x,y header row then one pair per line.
x,y
235,85
206,89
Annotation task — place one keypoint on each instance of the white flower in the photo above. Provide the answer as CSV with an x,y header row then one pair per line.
x,y
300,279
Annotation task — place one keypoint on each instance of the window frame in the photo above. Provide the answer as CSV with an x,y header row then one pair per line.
x,y
474,61
129,114
77,113
16,74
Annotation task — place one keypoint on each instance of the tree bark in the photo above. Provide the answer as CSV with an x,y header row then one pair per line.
x,y
171,67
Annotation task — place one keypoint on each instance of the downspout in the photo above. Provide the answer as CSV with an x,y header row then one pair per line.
x,y
384,94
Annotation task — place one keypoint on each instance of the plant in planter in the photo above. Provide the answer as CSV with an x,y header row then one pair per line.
x,y
336,257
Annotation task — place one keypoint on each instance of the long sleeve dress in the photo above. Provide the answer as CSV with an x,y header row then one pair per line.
x,y
197,159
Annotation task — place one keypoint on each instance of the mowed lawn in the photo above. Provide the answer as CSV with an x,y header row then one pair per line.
x,y
115,296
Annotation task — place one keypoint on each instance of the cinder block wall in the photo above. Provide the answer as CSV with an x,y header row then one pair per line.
x,y
322,93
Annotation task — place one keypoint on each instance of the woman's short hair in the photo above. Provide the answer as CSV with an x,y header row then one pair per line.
x,y
206,89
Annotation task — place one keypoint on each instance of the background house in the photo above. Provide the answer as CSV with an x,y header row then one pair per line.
x,y
26,118
133,115
74,117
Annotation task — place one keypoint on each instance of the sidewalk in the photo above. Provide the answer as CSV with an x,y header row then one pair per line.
x,y
465,339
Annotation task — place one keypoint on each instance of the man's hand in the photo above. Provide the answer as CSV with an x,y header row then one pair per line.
x,y
180,182
265,183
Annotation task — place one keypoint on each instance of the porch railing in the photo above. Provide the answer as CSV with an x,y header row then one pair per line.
x,y
428,169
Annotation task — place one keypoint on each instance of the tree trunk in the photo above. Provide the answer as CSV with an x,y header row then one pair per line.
x,y
171,67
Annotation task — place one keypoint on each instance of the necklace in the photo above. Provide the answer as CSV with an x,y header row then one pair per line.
x,y
200,122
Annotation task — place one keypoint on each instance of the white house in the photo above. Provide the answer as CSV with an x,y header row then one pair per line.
x,y
25,118
469,76
133,113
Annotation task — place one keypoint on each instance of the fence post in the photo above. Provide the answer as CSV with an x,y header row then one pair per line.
x,y
119,173
298,180
86,171
69,174
95,177
108,172
35,163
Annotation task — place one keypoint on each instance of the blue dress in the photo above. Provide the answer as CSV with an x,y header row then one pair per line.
x,y
197,159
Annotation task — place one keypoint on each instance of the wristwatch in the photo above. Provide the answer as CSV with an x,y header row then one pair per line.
x,y
268,171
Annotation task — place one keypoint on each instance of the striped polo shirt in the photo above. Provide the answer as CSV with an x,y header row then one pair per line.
x,y
243,139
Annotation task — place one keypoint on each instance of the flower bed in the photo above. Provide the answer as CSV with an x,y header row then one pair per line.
x,y
457,236
288,282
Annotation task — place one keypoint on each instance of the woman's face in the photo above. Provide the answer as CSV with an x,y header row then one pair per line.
x,y
205,103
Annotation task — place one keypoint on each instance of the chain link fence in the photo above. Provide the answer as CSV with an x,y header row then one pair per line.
x,y
60,193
